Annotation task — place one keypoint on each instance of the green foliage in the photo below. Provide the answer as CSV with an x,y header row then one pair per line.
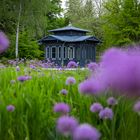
x,y
28,48
84,15
115,22
121,22
37,17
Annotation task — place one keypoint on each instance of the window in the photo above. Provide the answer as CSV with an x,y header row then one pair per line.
x,y
70,52
53,52
47,52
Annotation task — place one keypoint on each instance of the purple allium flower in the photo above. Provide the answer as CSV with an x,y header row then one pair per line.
x,y
106,113
112,101
96,107
10,108
64,91
72,64
28,77
86,132
66,125
70,81
90,86
137,107
32,67
119,71
4,42
23,78
17,68
92,66
61,108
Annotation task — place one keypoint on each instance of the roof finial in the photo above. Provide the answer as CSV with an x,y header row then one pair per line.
x,y
70,24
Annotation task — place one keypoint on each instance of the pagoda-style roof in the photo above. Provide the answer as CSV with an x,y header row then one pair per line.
x,y
68,28
69,34
69,38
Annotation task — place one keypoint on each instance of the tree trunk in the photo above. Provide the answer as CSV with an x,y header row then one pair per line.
x,y
17,32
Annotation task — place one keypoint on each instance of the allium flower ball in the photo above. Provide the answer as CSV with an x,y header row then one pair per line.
x,y
66,125
106,113
61,108
32,67
119,71
90,87
28,77
64,91
24,78
112,101
4,42
86,132
10,108
137,107
96,107
72,64
92,66
17,68
70,81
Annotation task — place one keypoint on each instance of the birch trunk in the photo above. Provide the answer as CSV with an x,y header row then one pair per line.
x,y
17,32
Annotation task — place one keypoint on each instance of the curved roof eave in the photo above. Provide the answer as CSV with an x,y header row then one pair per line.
x,y
70,38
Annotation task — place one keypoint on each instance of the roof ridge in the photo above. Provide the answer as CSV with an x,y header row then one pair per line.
x,y
69,27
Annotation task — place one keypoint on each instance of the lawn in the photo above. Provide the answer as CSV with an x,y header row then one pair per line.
x,y
34,118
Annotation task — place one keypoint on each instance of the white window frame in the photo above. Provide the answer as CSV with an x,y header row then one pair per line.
x,y
47,54
55,52
73,54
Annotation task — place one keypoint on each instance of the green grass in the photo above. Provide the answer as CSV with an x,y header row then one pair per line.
x,y
34,119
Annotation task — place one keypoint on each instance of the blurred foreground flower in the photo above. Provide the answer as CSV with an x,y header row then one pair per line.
x,y
4,42
23,78
61,108
64,91
72,64
119,71
66,125
86,132
90,87
96,107
32,67
106,113
112,101
92,66
137,107
10,108
70,81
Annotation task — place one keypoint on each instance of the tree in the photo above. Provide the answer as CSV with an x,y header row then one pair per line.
x,y
121,22
84,15
32,16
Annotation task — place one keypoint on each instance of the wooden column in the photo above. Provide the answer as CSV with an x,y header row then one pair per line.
x,y
62,53
94,54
